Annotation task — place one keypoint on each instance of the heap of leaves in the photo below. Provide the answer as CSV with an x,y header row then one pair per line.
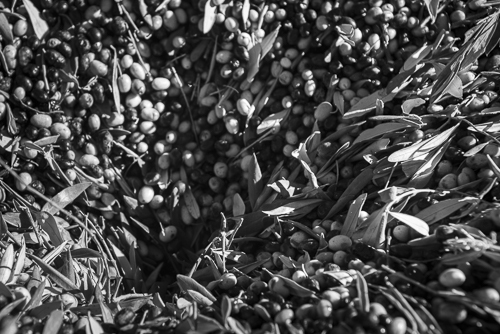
x,y
106,277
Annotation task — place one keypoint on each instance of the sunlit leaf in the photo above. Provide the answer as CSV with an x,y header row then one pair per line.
x,y
40,26
415,223
209,17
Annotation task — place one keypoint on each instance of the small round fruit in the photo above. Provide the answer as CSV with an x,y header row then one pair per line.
x,y
26,180
168,233
228,281
401,233
452,278
487,295
146,195
397,326
339,242
449,181
69,301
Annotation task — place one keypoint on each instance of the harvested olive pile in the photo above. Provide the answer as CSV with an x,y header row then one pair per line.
x,y
295,166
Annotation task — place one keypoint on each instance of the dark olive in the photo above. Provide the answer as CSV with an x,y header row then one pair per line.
x,y
65,49
61,7
55,58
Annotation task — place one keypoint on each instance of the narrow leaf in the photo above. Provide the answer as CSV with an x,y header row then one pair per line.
x,y
226,307
54,322
351,221
441,210
253,63
417,57
5,30
123,261
415,223
238,205
39,25
432,7
36,297
422,147
408,105
245,11
209,17
50,226
94,326
114,83
47,141
18,267
378,131
338,102
191,203
354,188
84,253
272,121
375,233
295,288
187,283
255,182
362,287
56,276
268,42
290,207
65,197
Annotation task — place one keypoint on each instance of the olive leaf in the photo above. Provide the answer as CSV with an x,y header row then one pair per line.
x,y
255,54
379,130
199,298
226,308
294,287
490,127
415,223
292,206
255,182
209,17
432,7
351,221
46,141
375,233
368,103
50,226
54,322
85,253
417,57
40,26
187,283
11,121
338,101
191,203
123,261
441,210
354,188
245,11
423,147
362,288
5,30
55,275
267,42
238,205
114,82
408,105
273,121
65,197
